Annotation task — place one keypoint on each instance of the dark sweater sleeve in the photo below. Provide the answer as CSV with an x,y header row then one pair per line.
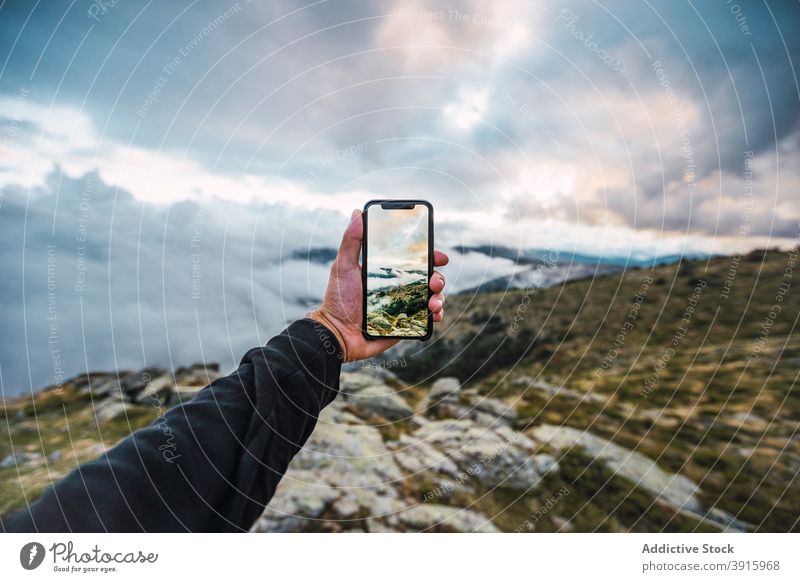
x,y
211,464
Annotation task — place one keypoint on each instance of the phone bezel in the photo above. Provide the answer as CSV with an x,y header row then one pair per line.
x,y
364,251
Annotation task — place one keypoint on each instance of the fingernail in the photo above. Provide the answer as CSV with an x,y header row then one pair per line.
x,y
437,304
354,213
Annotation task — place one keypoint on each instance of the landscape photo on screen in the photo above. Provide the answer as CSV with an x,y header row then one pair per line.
x,y
397,271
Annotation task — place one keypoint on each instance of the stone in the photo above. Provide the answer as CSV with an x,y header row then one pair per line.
x,y
445,388
416,456
20,459
197,374
297,500
353,382
382,400
557,391
676,489
158,388
487,411
493,457
545,464
434,517
111,409
343,463
103,387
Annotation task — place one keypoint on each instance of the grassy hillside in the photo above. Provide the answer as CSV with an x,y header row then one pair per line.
x,y
693,364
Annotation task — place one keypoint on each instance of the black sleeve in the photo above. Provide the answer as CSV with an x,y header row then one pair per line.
x,y
211,464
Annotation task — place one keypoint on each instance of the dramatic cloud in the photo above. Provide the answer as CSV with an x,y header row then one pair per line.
x,y
614,129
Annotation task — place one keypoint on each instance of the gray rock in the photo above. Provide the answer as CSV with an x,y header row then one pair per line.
x,y
676,489
383,400
558,391
430,516
354,382
727,521
488,411
20,459
495,457
103,387
111,409
198,374
339,464
158,388
416,456
298,500
545,464
445,389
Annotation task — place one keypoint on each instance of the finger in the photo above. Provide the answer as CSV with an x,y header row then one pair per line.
x,y
440,259
350,249
439,315
436,302
437,282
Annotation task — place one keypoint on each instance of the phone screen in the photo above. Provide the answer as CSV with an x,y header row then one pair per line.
x,y
397,264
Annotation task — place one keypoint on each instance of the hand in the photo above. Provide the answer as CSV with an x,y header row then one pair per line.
x,y
342,307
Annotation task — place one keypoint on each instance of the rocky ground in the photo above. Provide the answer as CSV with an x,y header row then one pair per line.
x,y
389,457
385,456
403,311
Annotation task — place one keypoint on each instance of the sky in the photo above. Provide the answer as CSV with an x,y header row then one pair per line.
x,y
164,166
397,238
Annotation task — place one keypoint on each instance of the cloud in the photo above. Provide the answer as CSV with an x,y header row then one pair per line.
x,y
279,118
100,280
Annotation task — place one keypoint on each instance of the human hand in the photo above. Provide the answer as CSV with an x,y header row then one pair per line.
x,y
341,309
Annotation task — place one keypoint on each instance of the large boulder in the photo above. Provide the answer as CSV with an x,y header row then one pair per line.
x,y
344,471
494,457
369,392
382,400
445,389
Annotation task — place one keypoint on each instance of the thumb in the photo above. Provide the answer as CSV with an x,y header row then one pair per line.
x,y
350,249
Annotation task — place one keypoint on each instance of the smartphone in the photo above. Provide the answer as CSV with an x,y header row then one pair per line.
x,y
397,264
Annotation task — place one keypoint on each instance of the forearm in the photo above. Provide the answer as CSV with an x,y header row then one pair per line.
x,y
211,464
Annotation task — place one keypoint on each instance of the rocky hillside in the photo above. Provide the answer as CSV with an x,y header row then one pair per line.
x,y
400,311
532,411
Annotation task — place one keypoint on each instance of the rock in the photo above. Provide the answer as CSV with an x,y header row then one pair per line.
x,y
197,374
555,391
19,459
111,409
382,400
417,456
158,388
55,456
103,387
545,463
727,521
676,489
379,323
339,464
494,457
297,500
353,382
487,411
443,518
370,393
445,389
135,383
